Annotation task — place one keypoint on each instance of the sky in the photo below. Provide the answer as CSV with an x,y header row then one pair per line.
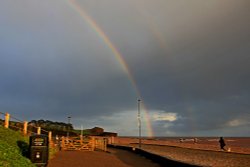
x,y
187,61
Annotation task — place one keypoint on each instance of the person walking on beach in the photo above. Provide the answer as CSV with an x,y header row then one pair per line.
x,y
222,143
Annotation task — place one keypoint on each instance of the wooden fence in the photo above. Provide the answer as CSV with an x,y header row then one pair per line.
x,y
88,143
84,143
23,126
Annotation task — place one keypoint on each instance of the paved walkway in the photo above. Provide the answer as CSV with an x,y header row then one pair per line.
x,y
115,158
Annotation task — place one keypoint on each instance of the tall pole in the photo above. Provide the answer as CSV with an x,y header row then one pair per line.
x,y
139,121
68,127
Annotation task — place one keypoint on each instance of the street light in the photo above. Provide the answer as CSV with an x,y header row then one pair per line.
x,y
68,127
139,122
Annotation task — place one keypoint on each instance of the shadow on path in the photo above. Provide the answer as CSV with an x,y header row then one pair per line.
x,y
132,159
160,160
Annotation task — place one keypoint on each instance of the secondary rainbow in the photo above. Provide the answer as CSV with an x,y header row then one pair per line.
x,y
116,53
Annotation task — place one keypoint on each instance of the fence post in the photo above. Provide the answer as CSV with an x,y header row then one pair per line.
x,y
50,136
92,143
25,126
7,119
105,144
63,143
38,130
81,139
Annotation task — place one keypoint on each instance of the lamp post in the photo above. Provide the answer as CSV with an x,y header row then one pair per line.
x,y
139,121
68,127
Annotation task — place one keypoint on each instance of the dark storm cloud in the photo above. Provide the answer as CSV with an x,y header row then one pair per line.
x,y
190,58
207,68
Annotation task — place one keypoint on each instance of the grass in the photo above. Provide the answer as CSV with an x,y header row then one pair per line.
x,y
52,152
13,149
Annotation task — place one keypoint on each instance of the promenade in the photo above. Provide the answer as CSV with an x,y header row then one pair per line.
x,y
113,158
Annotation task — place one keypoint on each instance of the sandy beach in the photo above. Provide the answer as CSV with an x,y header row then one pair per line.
x,y
234,145
204,152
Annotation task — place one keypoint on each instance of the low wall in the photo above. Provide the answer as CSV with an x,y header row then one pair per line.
x,y
163,161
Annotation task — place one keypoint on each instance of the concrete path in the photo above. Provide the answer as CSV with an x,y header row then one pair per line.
x,y
115,158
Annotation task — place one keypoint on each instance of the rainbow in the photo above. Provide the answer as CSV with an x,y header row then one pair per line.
x,y
76,7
